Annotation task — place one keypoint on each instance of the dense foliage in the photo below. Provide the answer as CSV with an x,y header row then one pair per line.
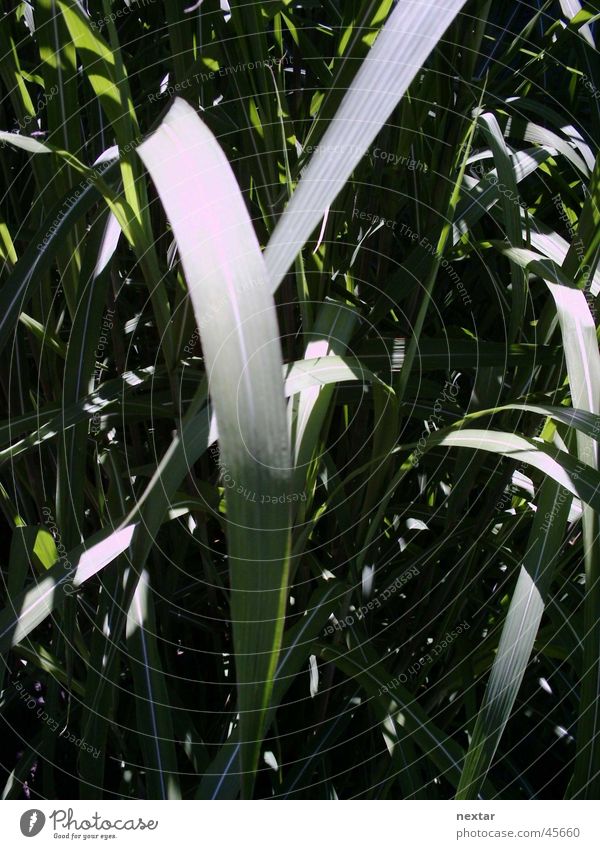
x,y
410,610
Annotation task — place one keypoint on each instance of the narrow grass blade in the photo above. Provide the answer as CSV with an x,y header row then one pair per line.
x,y
155,727
518,636
402,46
583,368
511,213
79,373
576,477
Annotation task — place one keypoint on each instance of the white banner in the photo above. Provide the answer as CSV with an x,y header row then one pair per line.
x,y
306,824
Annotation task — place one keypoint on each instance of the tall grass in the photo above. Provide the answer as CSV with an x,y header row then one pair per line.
x,y
300,378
